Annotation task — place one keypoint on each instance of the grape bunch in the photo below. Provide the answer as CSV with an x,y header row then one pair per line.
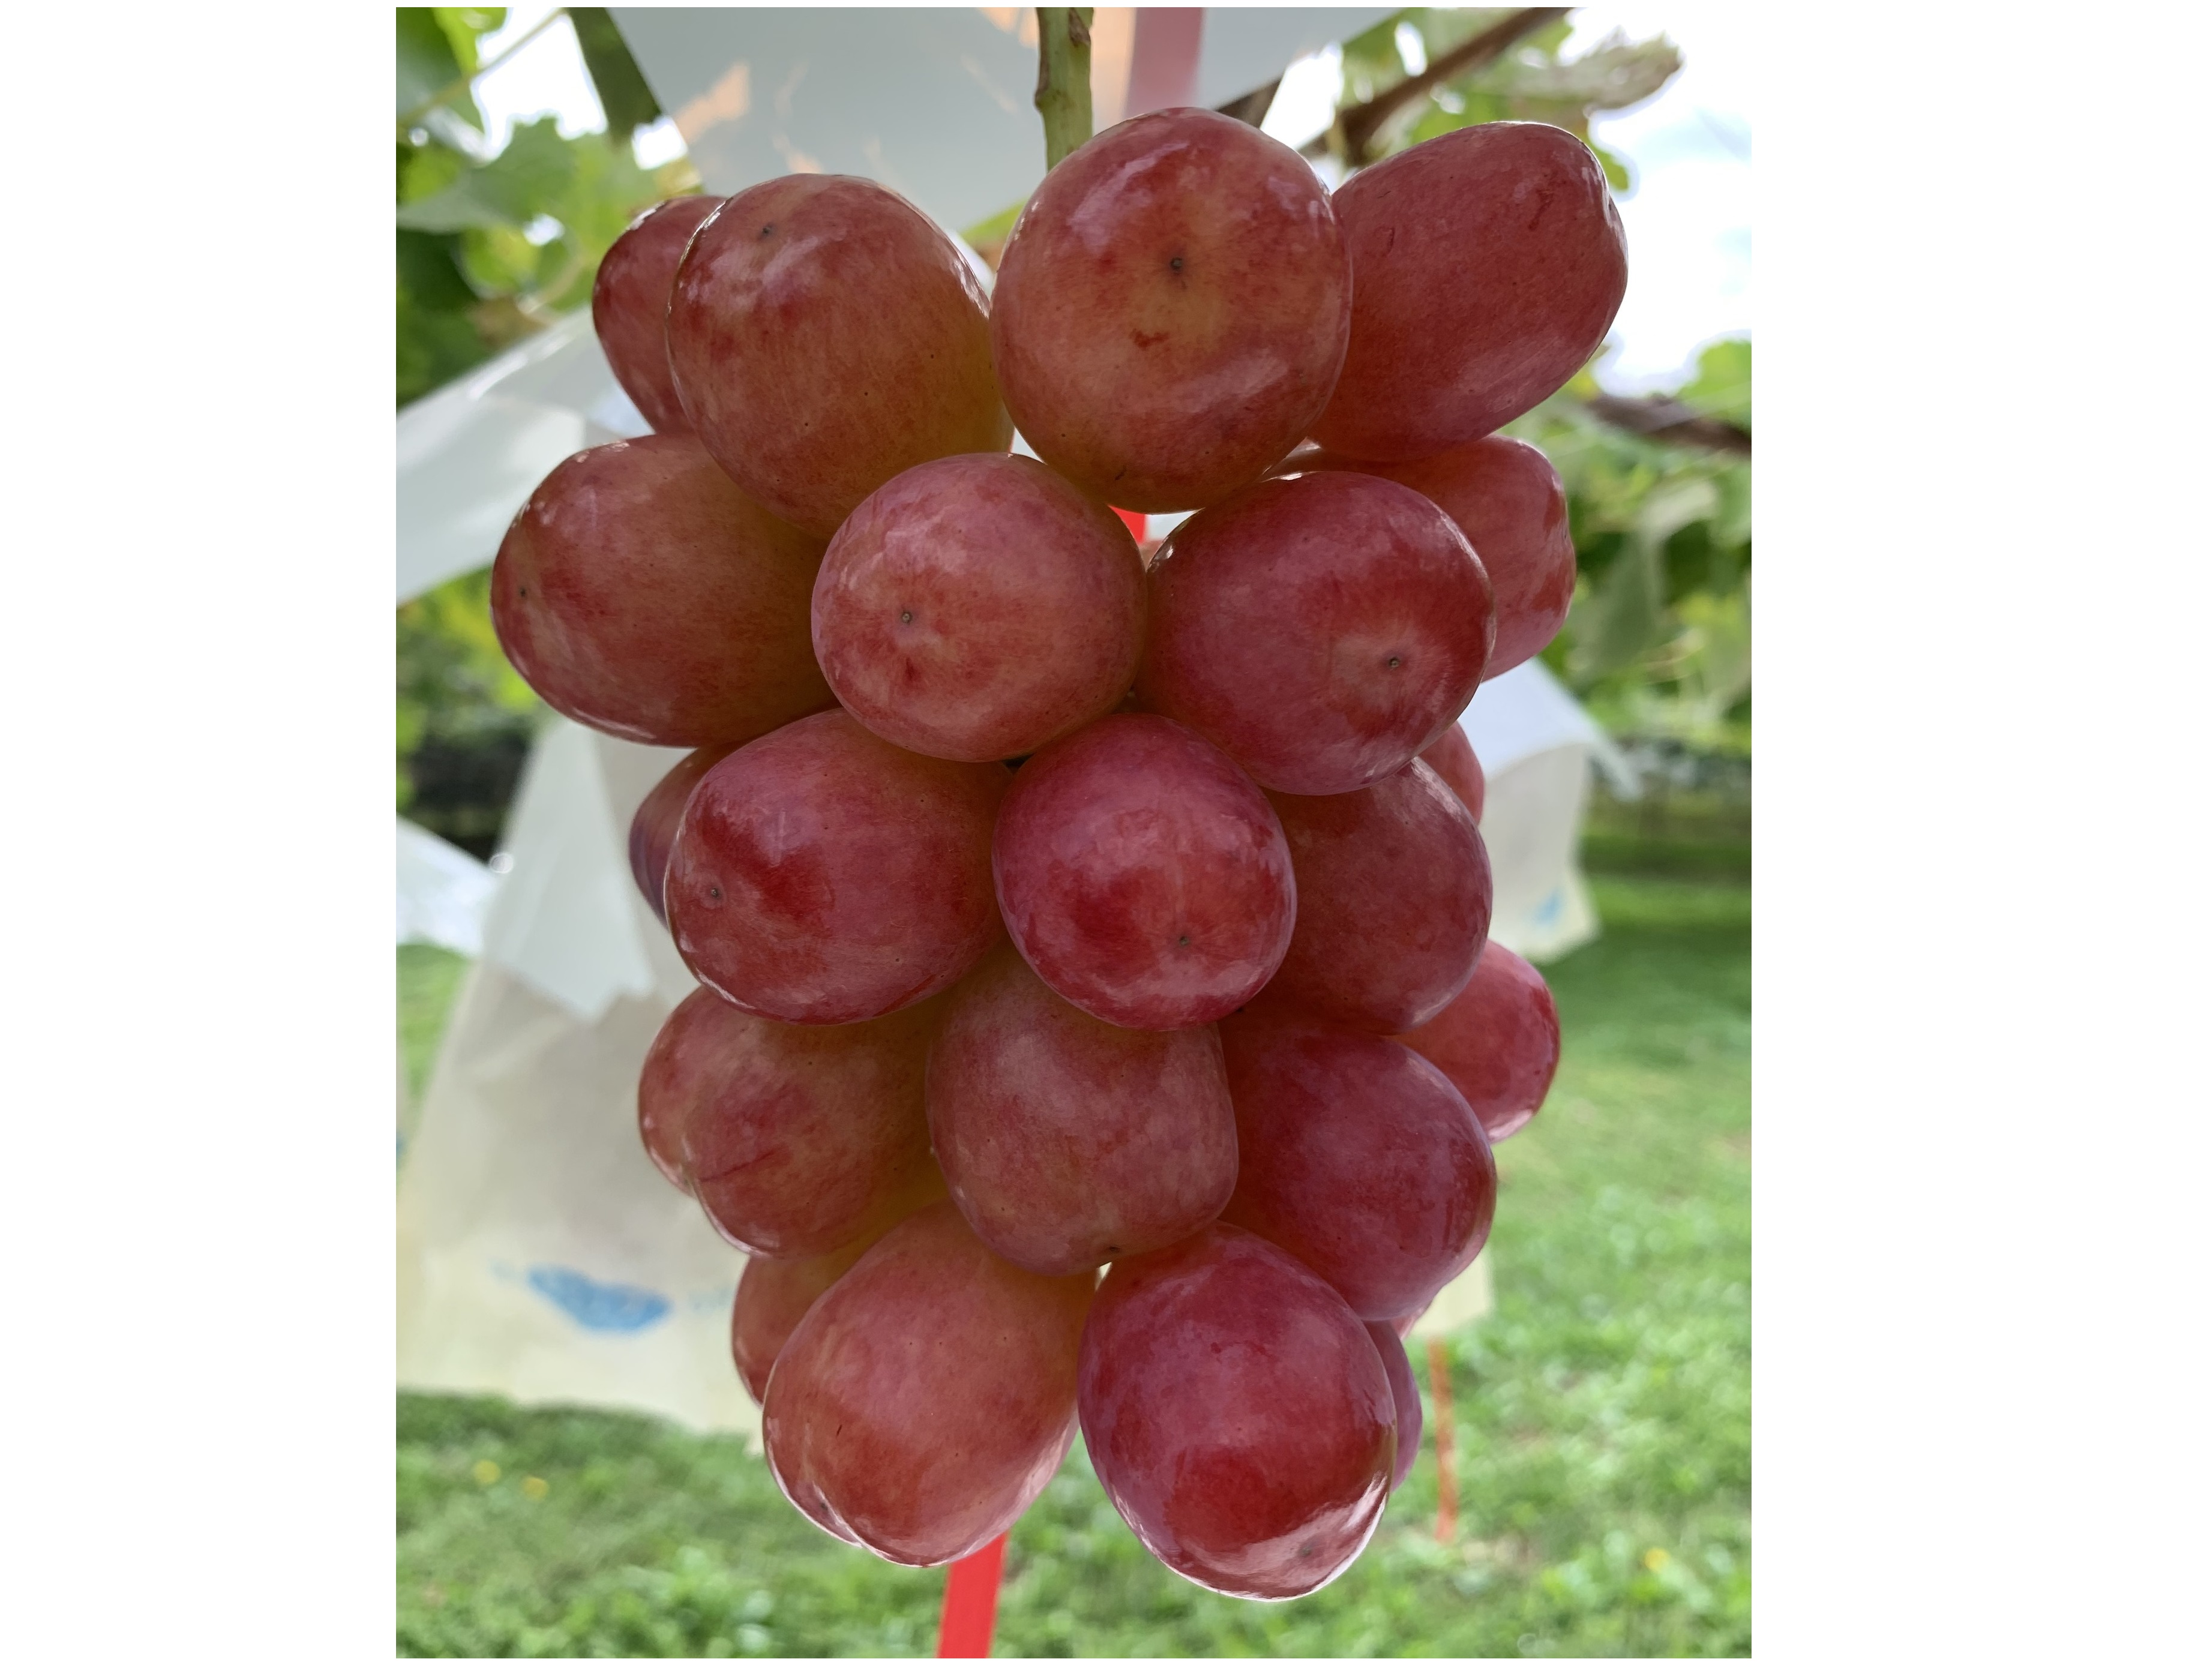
x,y
1099,1027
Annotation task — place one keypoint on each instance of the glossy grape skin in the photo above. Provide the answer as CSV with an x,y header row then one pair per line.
x,y
640,592
795,1140
1171,310
654,825
1142,875
1451,757
977,607
1358,1157
1498,1041
927,1397
631,305
1487,266
1321,630
1505,495
661,1135
822,875
1394,885
773,1297
1066,1141
824,337
1405,1397
1237,1414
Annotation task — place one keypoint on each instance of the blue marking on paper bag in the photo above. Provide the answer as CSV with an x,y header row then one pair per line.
x,y
1547,910
613,1309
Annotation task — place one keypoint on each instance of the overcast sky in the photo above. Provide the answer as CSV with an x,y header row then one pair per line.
x,y
1687,218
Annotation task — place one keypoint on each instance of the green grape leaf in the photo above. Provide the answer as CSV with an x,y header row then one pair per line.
x,y
1720,388
510,190
1674,504
464,25
1623,617
426,271
1731,526
426,60
1611,76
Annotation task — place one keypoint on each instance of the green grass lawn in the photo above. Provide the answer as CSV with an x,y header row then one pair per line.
x,y
1603,1411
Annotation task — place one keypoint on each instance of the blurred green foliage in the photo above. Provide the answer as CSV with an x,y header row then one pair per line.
x,y
1657,644
1526,84
464,718
1603,1418
490,246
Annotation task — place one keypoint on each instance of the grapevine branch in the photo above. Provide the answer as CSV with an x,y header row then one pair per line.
x,y
1064,92
1667,420
1357,125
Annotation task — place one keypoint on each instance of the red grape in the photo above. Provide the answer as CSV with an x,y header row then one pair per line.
x,y
1142,875
1066,1141
1357,1156
641,592
1171,310
1505,495
976,607
653,827
1406,1396
773,1296
1394,901
1452,756
796,1140
1498,1041
660,1134
631,306
1487,266
823,875
1237,1414
825,335
1322,629
928,1396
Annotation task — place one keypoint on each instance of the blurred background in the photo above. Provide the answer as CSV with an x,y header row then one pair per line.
x,y
1602,1411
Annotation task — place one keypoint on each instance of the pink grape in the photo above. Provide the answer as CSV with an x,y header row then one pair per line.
x,y
1405,1397
653,826
928,1396
1358,1157
796,1140
1142,875
1394,901
1452,756
1321,630
631,306
773,1296
1171,310
822,875
641,592
825,335
977,607
1498,1041
1237,1414
1487,265
1505,495
1066,1141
